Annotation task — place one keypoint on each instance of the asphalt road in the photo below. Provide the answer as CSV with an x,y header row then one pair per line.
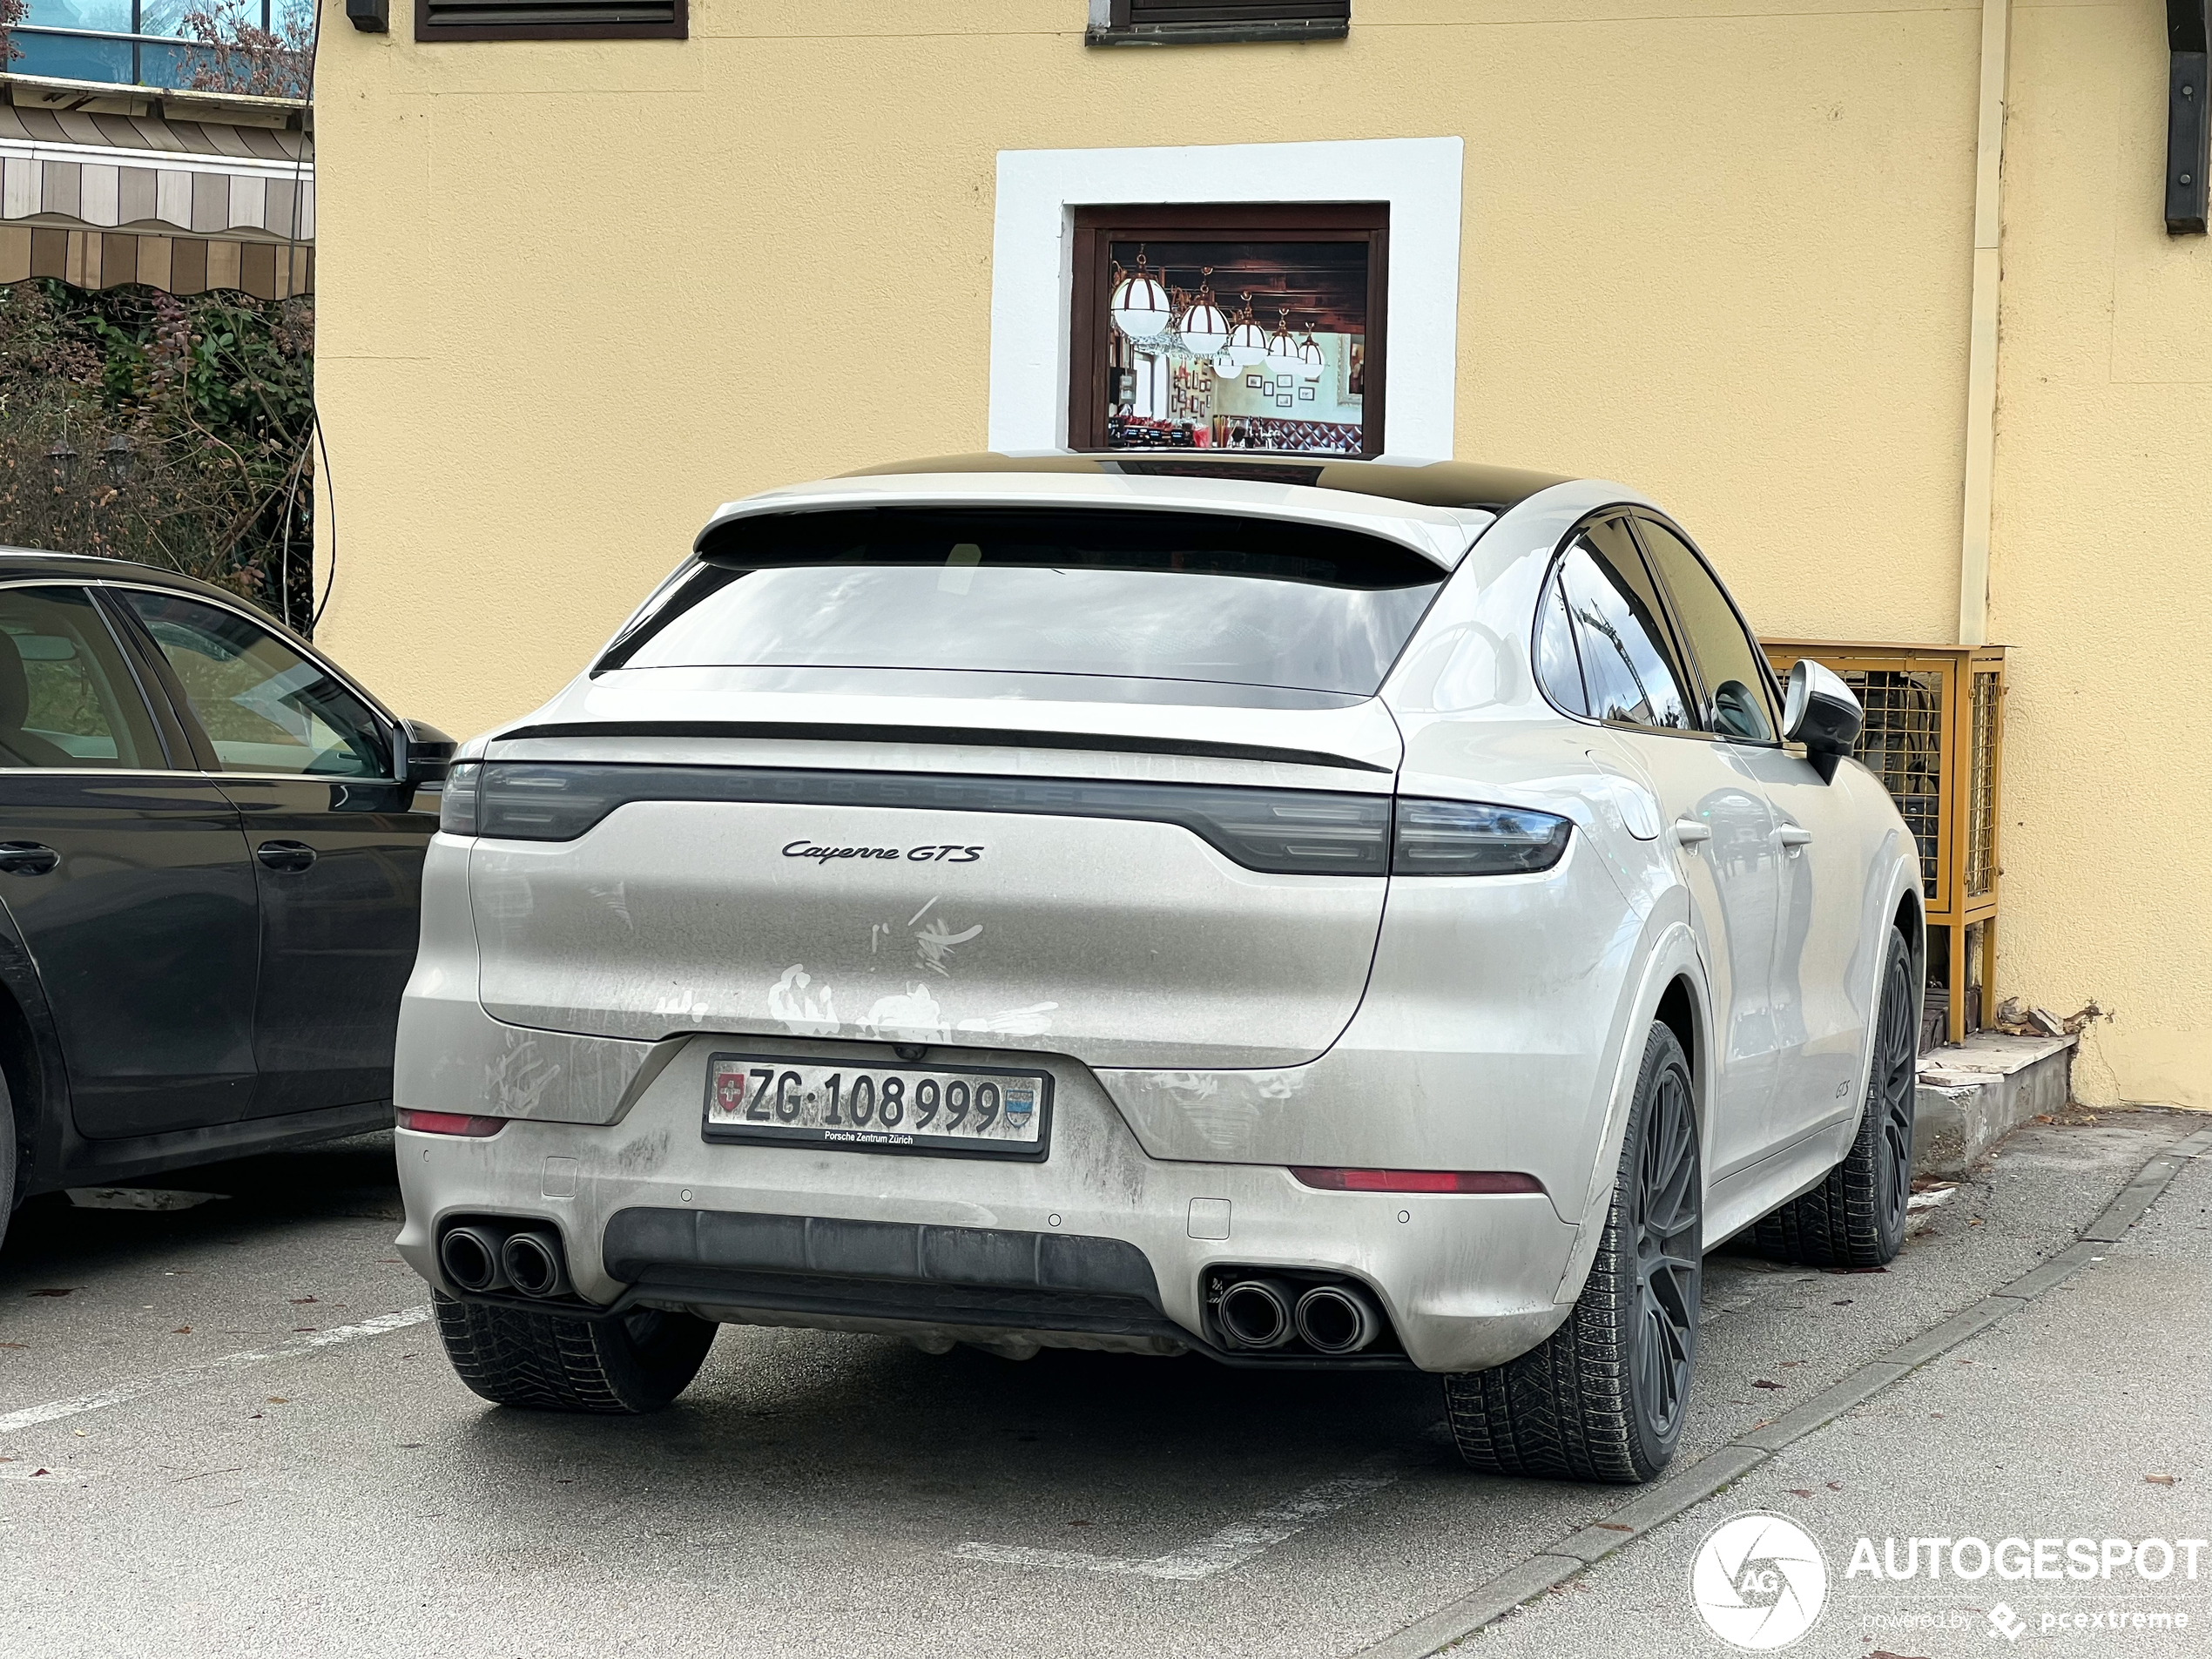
x,y
231,1433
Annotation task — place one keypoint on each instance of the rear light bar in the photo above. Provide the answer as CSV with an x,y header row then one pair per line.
x,y
1417,1180
451,1123
1283,832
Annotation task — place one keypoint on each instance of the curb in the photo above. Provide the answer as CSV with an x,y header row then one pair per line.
x,y
1661,1503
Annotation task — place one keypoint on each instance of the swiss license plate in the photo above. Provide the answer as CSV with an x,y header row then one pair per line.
x,y
974,1111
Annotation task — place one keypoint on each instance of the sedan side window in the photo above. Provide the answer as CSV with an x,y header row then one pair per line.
x,y
1736,670
67,698
1629,663
265,707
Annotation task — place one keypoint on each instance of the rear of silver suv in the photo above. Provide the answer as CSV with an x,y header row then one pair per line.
x,y
945,917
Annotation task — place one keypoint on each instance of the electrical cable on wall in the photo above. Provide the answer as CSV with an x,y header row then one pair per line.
x,y
314,402
314,411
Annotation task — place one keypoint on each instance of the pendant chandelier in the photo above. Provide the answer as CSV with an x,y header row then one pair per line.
x,y
1226,366
1248,341
1140,307
1282,350
1203,326
1311,358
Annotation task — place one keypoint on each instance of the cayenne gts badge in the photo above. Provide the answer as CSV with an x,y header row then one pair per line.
x,y
939,853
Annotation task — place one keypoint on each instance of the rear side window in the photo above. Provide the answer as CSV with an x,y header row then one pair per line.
x,y
1131,594
1629,673
66,697
1557,667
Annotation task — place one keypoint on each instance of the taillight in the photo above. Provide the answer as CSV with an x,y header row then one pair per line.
x,y
451,1123
1467,838
1417,1180
457,805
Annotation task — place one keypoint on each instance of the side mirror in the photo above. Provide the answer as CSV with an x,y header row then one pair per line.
x,y
1820,711
424,754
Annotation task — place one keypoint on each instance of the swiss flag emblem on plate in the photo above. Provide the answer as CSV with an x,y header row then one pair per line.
x,y
729,1091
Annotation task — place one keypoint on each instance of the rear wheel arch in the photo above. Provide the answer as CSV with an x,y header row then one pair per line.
x,y
1681,1013
37,1087
20,1066
1672,993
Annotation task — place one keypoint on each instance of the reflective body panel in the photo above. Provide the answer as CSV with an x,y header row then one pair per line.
x,y
145,936
338,935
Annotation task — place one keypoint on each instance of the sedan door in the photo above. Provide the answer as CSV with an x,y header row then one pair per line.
x,y
336,839
1713,819
125,876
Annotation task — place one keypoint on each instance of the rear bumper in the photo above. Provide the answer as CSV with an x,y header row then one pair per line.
x,y
1056,1252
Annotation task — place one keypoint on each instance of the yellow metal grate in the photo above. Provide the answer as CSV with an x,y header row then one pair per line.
x,y
1981,789
1902,745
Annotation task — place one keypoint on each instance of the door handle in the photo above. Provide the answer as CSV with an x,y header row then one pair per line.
x,y
27,857
1793,836
1689,832
289,857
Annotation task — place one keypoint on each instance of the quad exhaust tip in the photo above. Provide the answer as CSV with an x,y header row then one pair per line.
x,y
471,1255
483,1258
1338,1319
1258,1312
532,1258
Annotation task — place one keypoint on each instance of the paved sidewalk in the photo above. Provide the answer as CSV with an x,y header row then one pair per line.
x,y
2049,1424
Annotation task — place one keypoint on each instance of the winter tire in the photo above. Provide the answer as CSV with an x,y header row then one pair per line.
x,y
636,1363
1855,1217
1603,1397
9,1153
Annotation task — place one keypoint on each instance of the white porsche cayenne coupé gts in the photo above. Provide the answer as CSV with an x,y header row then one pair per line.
x,y
1306,914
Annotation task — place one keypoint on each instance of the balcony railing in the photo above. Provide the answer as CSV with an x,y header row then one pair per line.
x,y
132,42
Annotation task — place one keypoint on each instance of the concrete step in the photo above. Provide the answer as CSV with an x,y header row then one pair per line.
x,y
1973,1093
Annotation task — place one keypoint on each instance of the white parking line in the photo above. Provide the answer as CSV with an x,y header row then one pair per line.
x,y
54,1410
1232,1546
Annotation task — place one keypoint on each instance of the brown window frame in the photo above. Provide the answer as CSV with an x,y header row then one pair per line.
x,y
1096,228
677,27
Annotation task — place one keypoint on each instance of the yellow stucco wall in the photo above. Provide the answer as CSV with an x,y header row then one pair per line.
x,y
2100,576
574,294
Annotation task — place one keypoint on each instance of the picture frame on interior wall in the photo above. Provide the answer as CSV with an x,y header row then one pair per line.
x,y
1305,394
1355,368
1097,228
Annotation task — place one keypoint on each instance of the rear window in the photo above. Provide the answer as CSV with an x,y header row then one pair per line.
x,y
1131,595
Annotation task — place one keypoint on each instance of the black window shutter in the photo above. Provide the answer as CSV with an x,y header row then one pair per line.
x,y
550,19
1170,22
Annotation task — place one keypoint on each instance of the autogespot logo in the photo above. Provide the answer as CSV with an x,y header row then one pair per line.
x,y
1759,1582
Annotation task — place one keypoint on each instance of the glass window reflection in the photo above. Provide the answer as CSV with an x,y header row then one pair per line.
x,y
1627,663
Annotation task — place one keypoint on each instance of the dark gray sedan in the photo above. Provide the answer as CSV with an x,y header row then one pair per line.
x,y
211,850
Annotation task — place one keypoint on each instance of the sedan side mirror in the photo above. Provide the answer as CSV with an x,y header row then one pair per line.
x,y
425,754
1820,711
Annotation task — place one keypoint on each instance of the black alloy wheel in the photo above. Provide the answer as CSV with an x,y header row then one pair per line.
x,y
1897,1056
1855,1217
1604,1396
1669,1260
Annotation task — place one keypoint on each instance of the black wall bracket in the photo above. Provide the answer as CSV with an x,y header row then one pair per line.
x,y
2187,130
